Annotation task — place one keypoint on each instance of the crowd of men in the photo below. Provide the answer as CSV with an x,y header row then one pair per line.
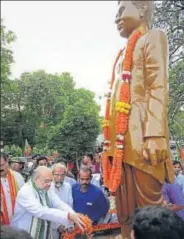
x,y
50,199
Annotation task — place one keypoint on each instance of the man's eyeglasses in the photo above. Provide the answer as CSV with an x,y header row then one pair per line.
x,y
59,175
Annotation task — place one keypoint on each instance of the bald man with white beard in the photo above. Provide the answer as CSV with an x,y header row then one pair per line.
x,y
37,206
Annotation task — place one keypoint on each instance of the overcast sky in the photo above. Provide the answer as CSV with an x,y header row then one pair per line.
x,y
79,37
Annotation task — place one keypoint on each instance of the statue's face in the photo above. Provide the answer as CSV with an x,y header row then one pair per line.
x,y
128,18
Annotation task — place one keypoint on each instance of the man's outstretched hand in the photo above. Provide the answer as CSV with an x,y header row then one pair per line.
x,y
76,218
155,150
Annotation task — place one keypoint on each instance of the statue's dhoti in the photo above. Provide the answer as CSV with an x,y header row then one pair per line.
x,y
138,189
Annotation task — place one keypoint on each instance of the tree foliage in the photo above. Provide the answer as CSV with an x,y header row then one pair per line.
x,y
42,107
46,109
176,102
79,127
7,37
176,85
13,150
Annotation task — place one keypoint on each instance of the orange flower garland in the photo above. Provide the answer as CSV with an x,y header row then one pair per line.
x,y
102,227
88,229
91,229
113,174
106,128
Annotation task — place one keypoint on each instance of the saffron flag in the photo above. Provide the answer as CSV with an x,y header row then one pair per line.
x,y
27,150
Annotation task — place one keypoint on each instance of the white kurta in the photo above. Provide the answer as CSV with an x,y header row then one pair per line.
x,y
69,180
96,179
6,187
64,193
28,205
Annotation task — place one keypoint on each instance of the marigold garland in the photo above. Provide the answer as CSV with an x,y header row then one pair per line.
x,y
106,129
112,174
91,229
106,121
88,229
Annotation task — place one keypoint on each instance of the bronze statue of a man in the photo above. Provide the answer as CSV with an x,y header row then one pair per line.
x,y
146,164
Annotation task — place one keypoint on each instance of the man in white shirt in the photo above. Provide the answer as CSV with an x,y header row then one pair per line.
x,y
70,180
11,182
68,177
60,186
62,189
37,206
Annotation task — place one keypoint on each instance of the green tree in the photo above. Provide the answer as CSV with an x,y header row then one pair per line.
x,y
169,16
40,105
35,103
7,37
176,85
176,103
43,151
13,120
79,128
46,109
14,150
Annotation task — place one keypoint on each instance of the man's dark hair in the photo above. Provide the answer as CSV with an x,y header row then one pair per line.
x,y
153,222
89,155
35,156
4,156
85,169
41,157
175,162
8,232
